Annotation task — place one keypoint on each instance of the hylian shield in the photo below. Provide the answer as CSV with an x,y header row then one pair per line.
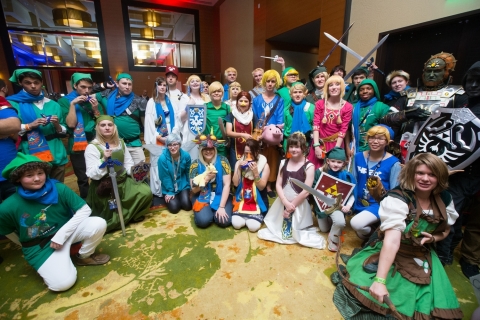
x,y
197,118
332,187
140,171
451,134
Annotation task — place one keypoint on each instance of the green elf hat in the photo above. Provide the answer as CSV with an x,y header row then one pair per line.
x,y
18,72
124,76
103,117
287,71
19,161
336,153
79,76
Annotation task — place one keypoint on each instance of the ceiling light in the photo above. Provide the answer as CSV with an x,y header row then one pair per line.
x,y
38,49
90,45
146,33
95,54
26,40
71,18
152,18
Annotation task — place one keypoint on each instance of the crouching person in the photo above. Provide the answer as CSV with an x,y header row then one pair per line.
x,y
49,217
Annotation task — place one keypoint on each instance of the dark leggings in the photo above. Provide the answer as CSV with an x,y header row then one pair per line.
x,y
180,202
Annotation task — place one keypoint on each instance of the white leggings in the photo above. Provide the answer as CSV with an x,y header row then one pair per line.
x,y
361,223
333,223
240,222
58,271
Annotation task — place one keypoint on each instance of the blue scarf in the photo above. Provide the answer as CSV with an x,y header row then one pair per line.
x,y
356,117
79,140
162,127
37,144
48,194
116,107
204,196
394,95
300,121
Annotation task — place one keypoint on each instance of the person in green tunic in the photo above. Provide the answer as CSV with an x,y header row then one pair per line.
x,y
128,110
136,197
43,124
216,109
80,111
367,112
289,76
402,262
45,217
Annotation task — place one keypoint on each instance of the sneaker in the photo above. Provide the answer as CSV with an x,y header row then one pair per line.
x,y
332,246
94,260
469,270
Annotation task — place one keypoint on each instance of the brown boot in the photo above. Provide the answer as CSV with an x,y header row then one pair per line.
x,y
94,260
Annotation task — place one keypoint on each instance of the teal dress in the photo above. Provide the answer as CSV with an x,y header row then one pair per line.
x,y
417,283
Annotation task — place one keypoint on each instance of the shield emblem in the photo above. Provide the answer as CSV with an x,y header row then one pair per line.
x,y
140,171
197,118
332,186
451,134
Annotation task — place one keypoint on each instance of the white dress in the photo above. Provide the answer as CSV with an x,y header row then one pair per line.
x,y
301,230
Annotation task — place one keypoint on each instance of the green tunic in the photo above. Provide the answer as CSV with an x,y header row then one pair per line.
x,y
56,145
88,121
212,122
379,110
289,119
284,92
24,216
136,197
128,128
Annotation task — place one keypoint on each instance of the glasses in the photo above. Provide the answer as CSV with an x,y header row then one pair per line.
x,y
371,139
173,145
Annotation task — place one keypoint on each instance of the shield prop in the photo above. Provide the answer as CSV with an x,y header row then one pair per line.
x,y
451,134
332,186
197,118
141,171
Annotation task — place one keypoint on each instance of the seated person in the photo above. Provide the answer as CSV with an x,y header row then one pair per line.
x,y
41,213
289,219
136,197
402,262
173,167
210,178
250,178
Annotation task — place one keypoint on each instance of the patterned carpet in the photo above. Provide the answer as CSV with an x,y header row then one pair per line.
x,y
166,268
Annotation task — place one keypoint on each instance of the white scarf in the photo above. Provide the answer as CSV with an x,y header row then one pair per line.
x,y
243,118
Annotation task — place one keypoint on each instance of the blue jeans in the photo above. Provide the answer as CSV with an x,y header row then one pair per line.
x,y
206,215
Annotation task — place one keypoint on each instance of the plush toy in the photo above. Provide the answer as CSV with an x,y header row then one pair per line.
x,y
200,179
272,135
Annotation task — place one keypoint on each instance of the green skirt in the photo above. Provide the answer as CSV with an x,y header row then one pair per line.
x,y
413,301
136,200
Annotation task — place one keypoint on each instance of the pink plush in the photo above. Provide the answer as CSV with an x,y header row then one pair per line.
x,y
272,135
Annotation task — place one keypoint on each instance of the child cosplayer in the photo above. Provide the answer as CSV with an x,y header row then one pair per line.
x,y
335,222
48,218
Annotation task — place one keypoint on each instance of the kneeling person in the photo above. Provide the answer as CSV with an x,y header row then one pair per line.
x,y
41,212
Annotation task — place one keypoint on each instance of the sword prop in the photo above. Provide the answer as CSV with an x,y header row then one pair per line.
x,y
356,55
110,79
110,163
335,203
336,44
272,58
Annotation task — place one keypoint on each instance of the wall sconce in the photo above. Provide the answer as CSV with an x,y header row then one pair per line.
x,y
94,54
90,45
152,18
26,40
71,17
68,64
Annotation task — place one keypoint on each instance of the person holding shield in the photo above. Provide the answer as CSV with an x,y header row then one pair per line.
x,y
135,197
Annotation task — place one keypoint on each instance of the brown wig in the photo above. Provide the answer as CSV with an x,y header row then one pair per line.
x,y
18,173
435,164
254,147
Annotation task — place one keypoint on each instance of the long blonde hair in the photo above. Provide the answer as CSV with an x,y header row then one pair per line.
x,y
101,139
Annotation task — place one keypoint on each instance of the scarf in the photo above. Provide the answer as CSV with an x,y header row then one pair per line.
x,y
48,194
300,121
116,107
79,139
37,144
205,195
244,118
357,122
162,127
394,95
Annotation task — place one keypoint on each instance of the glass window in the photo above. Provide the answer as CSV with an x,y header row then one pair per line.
x,y
160,37
47,33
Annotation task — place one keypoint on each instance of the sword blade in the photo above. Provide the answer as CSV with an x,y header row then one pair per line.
x,y
113,175
336,44
315,193
343,46
367,56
